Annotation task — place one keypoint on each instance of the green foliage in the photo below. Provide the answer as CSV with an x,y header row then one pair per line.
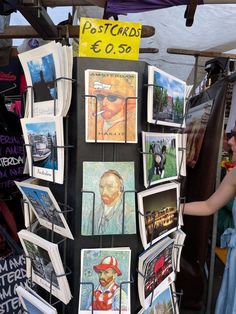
x,y
160,97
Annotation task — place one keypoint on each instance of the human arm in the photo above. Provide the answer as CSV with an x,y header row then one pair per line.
x,y
225,191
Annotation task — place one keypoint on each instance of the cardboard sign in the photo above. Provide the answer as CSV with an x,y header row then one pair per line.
x,y
109,39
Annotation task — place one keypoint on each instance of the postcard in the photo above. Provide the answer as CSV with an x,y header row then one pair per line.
x,y
44,265
163,303
105,270
42,67
166,98
108,202
44,138
111,106
45,207
196,124
179,237
160,157
158,212
156,271
33,303
182,142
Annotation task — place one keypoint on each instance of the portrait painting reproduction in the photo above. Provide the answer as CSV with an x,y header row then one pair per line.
x,y
166,98
108,198
107,274
160,157
111,106
196,124
158,208
42,137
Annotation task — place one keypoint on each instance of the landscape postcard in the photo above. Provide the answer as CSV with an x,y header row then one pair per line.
x,y
160,157
44,265
158,209
156,271
163,303
45,207
42,66
166,98
33,303
42,137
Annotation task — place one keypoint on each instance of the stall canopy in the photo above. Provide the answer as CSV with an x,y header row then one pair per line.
x,y
213,29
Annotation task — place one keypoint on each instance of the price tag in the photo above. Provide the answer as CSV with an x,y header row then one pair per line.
x,y
109,39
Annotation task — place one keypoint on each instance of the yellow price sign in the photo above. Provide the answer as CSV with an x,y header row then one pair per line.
x,y
109,39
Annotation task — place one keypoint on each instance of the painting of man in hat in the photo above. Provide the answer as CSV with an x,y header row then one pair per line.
x,y
107,274
111,106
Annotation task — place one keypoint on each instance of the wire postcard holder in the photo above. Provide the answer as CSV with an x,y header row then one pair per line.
x,y
66,207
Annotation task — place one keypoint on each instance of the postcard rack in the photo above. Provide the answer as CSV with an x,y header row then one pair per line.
x,y
107,152
64,206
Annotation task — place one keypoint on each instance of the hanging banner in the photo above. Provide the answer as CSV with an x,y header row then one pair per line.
x,y
109,39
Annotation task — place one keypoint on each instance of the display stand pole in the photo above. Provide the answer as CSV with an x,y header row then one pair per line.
x,y
214,232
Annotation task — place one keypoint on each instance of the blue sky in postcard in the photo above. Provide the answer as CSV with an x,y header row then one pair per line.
x,y
41,127
31,308
165,296
45,64
174,87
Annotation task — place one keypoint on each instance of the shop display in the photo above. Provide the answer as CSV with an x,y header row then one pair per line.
x,y
156,271
160,157
107,274
33,303
44,265
196,124
48,71
111,106
44,139
166,98
108,205
45,208
158,212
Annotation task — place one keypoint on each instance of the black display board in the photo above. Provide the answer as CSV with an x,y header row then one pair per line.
x,y
83,151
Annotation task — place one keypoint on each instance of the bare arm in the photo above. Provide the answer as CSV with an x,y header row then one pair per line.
x,y
225,191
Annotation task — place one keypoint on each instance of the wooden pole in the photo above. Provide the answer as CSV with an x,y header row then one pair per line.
x,y
73,31
207,54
